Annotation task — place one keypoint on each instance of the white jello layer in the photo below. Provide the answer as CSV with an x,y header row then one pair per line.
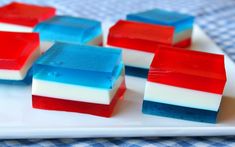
x,y
75,92
45,45
136,58
182,36
7,74
181,96
14,28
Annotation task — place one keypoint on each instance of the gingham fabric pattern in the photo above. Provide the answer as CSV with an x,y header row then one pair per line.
x,y
126,142
216,17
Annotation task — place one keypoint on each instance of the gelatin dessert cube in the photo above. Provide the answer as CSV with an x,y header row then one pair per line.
x,y
174,87
18,52
180,21
139,42
69,29
91,65
89,76
104,110
23,17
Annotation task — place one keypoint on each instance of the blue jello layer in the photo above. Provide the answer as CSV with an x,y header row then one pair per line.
x,y
161,109
180,21
69,29
26,81
136,71
80,65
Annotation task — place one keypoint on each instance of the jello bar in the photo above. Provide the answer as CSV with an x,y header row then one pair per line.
x,y
18,52
68,29
22,17
185,84
79,78
183,23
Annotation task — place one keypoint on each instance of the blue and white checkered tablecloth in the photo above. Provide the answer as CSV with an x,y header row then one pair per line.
x,y
216,17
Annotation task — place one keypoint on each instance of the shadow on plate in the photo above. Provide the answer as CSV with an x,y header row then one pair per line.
x,y
131,103
227,110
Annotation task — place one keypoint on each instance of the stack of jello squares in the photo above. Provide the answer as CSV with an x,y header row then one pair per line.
x,y
142,32
19,46
72,76
21,17
180,83
69,76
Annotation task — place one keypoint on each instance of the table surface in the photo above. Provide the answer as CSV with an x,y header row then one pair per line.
x,y
216,17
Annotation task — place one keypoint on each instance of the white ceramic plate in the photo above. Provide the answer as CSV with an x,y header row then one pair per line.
x,y
19,120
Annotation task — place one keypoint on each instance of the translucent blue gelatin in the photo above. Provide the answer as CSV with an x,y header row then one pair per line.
x,y
180,21
80,65
69,29
136,71
186,113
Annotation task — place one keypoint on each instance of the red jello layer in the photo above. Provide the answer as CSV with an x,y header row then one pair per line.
x,y
16,48
185,43
188,69
25,14
49,103
139,36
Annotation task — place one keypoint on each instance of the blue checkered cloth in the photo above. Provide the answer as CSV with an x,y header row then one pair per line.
x,y
216,17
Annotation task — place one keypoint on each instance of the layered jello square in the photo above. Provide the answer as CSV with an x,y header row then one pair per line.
x,y
21,17
18,51
185,84
139,41
183,23
68,29
79,78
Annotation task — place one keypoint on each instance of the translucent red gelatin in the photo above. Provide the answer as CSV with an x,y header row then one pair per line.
x,y
184,43
48,103
188,69
25,14
16,48
140,36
